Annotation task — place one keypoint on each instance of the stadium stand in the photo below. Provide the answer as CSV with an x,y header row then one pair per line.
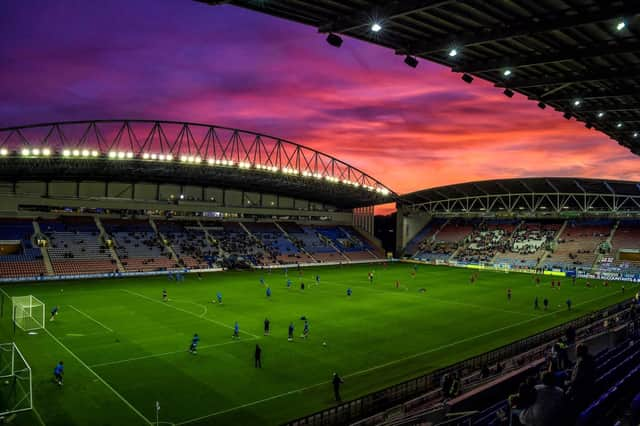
x,y
625,245
138,246
313,242
528,244
422,238
450,237
189,242
578,244
18,256
75,246
277,247
487,239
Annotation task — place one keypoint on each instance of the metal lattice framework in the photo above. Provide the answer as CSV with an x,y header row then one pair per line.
x,y
580,57
547,196
227,156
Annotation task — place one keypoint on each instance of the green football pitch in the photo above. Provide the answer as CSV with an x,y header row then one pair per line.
x,y
124,348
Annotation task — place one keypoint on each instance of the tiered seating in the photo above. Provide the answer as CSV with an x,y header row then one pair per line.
x,y
627,236
75,246
18,257
578,243
137,245
528,244
189,243
486,240
446,241
418,242
348,241
316,244
274,242
232,240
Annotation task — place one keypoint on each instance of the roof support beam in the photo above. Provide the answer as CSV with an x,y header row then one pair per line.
x,y
603,94
597,75
386,11
566,54
604,11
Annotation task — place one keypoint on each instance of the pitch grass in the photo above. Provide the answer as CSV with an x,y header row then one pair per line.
x,y
124,348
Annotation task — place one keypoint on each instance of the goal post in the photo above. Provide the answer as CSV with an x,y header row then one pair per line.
x,y
28,312
16,387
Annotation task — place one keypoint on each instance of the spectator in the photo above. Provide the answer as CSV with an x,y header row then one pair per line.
x,y
582,378
547,410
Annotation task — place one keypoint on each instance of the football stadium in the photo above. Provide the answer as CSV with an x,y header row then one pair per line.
x,y
167,272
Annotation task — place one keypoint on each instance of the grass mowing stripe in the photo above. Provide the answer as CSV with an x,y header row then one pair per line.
x,y
387,364
187,312
104,382
90,317
123,361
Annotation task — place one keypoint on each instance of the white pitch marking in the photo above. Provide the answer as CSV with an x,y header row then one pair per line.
x,y
91,318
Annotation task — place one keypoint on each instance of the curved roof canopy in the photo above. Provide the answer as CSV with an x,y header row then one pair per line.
x,y
533,195
580,57
183,153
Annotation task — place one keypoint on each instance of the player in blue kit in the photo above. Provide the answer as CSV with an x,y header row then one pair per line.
x,y
58,372
193,348
54,312
236,331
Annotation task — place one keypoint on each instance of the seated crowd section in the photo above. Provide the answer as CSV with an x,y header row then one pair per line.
x,y
74,245
18,256
540,244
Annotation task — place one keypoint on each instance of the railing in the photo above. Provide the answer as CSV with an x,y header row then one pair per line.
x,y
384,399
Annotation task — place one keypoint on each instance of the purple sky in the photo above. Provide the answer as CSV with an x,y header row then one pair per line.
x,y
182,60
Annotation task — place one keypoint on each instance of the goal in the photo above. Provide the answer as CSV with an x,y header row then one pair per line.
x,y
16,389
28,312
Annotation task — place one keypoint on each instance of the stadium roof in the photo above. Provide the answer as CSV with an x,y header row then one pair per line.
x,y
581,57
183,153
530,194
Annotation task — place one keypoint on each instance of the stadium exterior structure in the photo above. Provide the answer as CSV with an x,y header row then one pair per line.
x,y
179,167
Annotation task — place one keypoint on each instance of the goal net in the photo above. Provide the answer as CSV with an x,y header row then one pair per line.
x,y
28,312
15,381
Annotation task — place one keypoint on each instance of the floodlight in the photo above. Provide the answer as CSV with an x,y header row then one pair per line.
x,y
334,40
146,156
198,159
453,52
161,157
621,25
211,161
467,78
576,103
94,153
376,27
635,134
129,154
600,114
3,151
85,152
542,105
169,157
46,152
112,154
76,152
35,151
508,93
619,125
506,72
121,155
411,61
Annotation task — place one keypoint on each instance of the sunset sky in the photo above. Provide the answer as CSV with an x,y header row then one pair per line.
x,y
181,60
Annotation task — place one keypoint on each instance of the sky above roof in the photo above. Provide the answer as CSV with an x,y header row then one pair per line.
x,y
186,61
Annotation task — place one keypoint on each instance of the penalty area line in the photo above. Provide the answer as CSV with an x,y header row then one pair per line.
x,y
221,324
97,376
377,367
90,317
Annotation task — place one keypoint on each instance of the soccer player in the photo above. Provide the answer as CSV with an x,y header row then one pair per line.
x,y
54,312
574,280
305,330
371,277
509,294
258,357
286,272
336,381
58,372
290,332
236,331
472,279
553,284
261,280
165,296
545,302
558,283
397,283
267,326
193,348
219,296
622,288
268,292
301,285
536,306
349,291
288,282
568,304
317,279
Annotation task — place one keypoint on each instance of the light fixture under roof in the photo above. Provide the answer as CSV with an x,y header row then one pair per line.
x,y
453,52
506,72
635,134
576,103
600,114
376,27
621,25
619,125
